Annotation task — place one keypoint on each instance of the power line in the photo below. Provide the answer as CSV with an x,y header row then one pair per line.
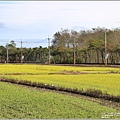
x,y
29,42
25,40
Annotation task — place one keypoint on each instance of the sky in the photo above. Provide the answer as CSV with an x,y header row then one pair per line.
x,y
33,21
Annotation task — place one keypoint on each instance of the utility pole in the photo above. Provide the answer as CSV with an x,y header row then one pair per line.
x,y
74,51
105,49
49,50
21,52
7,55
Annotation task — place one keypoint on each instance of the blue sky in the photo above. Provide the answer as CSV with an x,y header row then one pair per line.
x,y
36,20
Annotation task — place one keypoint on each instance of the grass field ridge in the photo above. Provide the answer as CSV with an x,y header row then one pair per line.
x,y
90,92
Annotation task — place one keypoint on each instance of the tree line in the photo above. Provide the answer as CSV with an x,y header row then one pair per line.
x,y
86,46
18,55
69,46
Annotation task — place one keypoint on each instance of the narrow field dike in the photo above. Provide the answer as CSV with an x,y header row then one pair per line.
x,y
90,92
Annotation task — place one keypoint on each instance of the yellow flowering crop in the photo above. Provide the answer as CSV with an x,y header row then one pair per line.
x,y
105,79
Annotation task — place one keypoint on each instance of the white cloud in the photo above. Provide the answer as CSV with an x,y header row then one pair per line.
x,y
46,17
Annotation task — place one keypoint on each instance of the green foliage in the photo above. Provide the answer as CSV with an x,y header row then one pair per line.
x,y
89,41
11,45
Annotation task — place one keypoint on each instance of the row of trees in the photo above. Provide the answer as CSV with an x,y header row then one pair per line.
x,y
86,46
69,46
17,55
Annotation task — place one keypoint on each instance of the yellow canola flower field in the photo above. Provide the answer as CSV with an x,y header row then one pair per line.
x,y
106,79
46,69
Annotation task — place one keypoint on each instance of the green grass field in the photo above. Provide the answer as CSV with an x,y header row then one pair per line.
x,y
21,102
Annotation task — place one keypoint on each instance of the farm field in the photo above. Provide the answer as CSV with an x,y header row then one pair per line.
x,y
23,102
17,101
105,79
